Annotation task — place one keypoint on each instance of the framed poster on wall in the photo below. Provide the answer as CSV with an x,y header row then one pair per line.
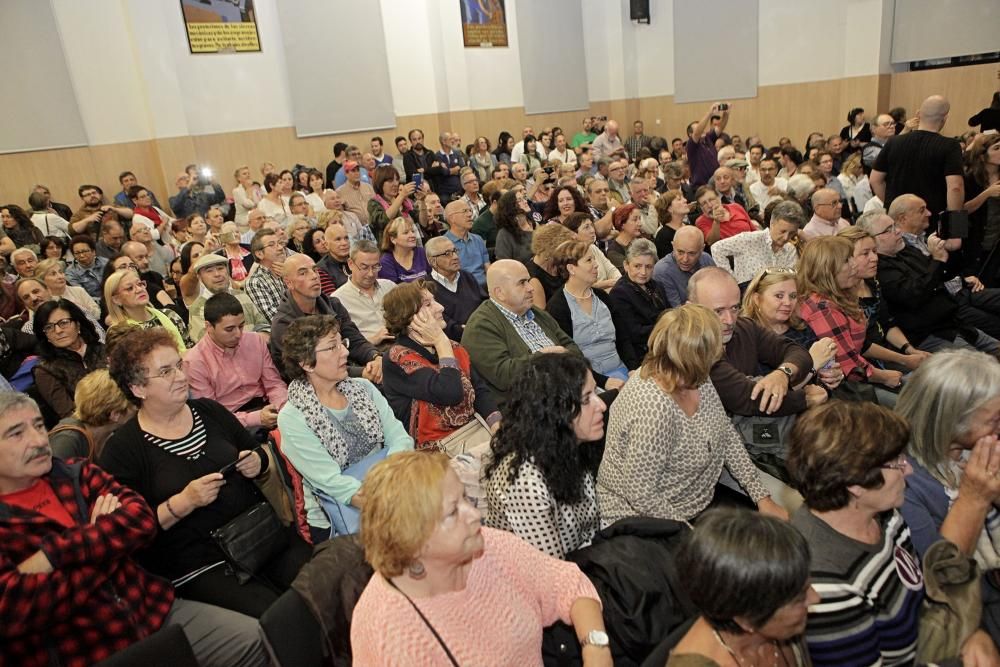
x,y
220,26
484,23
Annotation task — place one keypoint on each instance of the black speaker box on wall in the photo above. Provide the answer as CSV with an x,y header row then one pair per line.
x,y
639,10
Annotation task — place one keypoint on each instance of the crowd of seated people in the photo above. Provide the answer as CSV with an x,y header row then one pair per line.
x,y
590,330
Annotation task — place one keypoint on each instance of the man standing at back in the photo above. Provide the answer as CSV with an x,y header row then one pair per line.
x,y
922,163
701,151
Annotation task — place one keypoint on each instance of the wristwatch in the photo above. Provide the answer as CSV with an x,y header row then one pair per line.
x,y
787,371
597,638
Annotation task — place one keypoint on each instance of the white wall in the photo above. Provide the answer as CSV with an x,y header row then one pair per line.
x,y
135,78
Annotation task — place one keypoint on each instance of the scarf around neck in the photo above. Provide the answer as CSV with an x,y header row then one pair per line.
x,y
347,440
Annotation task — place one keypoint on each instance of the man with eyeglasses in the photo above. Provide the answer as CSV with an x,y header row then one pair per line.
x,y
913,286
87,219
459,292
769,187
883,129
826,220
364,292
617,185
264,285
87,268
472,252
472,197
304,296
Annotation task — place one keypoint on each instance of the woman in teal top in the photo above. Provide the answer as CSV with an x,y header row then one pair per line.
x,y
333,428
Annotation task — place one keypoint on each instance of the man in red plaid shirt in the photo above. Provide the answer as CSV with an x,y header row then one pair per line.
x,y
70,593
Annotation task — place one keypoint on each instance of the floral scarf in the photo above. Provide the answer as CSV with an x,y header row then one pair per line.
x,y
347,440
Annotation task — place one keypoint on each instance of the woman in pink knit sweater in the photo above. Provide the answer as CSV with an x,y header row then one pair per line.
x,y
447,591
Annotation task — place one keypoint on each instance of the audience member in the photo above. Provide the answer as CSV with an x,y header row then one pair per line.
x,y
127,302
195,194
233,367
471,248
539,482
671,211
668,437
982,195
636,302
499,592
459,293
582,225
391,200
719,220
627,221
546,279
428,379
50,272
355,192
48,222
32,293
847,461
700,146
87,218
17,227
25,262
99,409
333,428
73,523
333,267
402,260
514,226
674,271
583,311
264,286
748,576
69,348
362,295
750,252
826,219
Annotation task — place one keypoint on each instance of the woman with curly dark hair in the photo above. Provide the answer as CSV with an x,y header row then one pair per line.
x,y
514,225
19,228
564,201
539,483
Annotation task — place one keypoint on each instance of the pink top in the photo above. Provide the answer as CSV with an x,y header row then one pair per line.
x,y
513,592
738,222
817,226
233,377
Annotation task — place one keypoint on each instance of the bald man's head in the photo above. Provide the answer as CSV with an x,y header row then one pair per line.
x,y
301,277
934,111
509,284
716,289
689,243
910,214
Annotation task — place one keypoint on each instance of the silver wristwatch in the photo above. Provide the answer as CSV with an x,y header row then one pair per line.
x,y
787,371
596,638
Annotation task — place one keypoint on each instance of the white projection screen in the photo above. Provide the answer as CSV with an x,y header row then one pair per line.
x,y
40,110
551,59
704,72
345,87
930,29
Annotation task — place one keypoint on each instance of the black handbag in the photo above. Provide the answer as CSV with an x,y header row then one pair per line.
x,y
251,540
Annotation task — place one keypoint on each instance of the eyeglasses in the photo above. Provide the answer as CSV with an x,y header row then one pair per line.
x,y
58,324
132,288
447,253
891,228
341,343
837,203
367,268
169,372
898,463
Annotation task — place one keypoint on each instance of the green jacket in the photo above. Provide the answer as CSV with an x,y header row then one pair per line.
x,y
497,351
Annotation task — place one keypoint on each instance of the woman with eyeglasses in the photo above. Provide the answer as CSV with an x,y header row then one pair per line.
x,y
172,453
52,273
333,428
69,348
127,301
847,460
952,403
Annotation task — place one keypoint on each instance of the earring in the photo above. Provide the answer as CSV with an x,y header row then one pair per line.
x,y
417,570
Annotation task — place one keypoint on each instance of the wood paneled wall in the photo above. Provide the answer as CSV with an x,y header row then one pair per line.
x,y
791,110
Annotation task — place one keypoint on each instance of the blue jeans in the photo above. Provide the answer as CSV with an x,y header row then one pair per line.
x,y
983,343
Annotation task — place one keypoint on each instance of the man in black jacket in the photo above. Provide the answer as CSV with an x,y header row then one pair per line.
x,y
913,286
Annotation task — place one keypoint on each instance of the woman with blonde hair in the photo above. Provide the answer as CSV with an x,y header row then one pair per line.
x,y
101,407
240,258
545,279
446,590
403,260
127,301
669,438
827,281
52,273
246,195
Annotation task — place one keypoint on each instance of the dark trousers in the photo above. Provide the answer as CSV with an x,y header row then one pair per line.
x,y
980,309
219,586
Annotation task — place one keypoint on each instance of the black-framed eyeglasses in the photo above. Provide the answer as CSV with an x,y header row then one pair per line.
x,y
58,324
447,253
891,228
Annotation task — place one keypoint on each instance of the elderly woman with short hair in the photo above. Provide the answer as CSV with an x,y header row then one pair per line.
x,y
847,460
952,403
333,428
428,378
669,437
636,302
53,273
447,591
748,576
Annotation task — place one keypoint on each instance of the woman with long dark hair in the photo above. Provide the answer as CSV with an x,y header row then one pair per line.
x,y
19,228
564,201
69,348
540,481
515,226
505,144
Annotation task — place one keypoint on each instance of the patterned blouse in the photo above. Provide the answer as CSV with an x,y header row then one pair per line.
x,y
659,462
526,509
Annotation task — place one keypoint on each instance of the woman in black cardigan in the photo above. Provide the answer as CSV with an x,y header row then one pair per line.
x,y
584,311
69,348
171,453
637,301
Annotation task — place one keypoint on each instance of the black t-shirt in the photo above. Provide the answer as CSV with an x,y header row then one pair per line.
x,y
917,163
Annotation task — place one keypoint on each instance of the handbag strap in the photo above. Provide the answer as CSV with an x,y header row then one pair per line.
x,y
426,622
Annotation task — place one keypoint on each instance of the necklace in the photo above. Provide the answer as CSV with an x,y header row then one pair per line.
x,y
583,297
777,652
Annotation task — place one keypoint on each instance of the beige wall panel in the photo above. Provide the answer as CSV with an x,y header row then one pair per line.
x,y
969,89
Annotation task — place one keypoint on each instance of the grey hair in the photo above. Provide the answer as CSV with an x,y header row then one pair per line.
x,y
365,246
866,222
9,400
22,251
800,186
938,402
640,248
789,211
432,245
